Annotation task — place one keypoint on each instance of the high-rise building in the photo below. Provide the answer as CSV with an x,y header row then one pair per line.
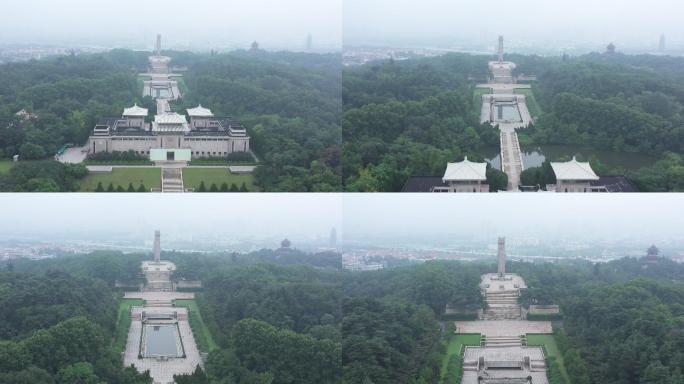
x,y
309,42
333,238
661,43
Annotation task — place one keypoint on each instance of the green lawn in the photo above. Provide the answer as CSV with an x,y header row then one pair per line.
x,y
182,87
150,177
192,177
457,342
123,322
205,342
550,348
5,165
141,81
532,105
477,98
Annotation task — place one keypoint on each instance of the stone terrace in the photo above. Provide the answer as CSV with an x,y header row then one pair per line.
x,y
503,327
162,371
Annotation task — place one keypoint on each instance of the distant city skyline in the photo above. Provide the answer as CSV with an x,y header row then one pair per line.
x,y
238,216
530,26
199,25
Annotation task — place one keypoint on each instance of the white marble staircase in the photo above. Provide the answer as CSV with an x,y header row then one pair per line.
x,y
502,306
172,180
503,341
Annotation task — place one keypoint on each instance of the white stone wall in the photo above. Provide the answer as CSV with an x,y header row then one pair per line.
x,y
573,187
138,144
204,146
468,187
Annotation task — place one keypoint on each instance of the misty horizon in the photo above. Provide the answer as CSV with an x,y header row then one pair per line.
x,y
356,217
200,25
528,25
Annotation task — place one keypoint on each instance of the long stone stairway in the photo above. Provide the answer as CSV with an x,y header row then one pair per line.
x,y
503,341
172,180
502,306
511,156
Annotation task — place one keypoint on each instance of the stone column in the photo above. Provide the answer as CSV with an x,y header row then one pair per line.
x,y
157,246
502,257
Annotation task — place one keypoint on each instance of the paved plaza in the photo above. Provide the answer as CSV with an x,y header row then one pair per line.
x,y
162,370
503,86
73,155
504,327
503,357
158,310
491,282
160,296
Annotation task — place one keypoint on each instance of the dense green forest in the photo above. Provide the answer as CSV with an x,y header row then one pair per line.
x,y
68,94
57,327
278,319
391,331
623,321
280,324
289,103
411,117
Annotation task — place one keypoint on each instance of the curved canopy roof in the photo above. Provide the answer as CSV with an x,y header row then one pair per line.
x,y
170,118
573,170
135,111
200,111
465,171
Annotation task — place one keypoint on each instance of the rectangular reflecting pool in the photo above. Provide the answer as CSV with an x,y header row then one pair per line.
x,y
506,112
161,340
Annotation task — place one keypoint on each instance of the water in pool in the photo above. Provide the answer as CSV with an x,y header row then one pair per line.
x,y
507,112
161,340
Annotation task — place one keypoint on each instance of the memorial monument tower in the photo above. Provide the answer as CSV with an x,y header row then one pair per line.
x,y
157,50
157,247
502,257
501,49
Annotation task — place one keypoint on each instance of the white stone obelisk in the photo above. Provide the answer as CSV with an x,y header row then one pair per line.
x,y
157,247
157,50
502,257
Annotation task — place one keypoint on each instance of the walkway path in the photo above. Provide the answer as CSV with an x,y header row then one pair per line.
x,y
172,180
163,106
503,356
73,155
511,156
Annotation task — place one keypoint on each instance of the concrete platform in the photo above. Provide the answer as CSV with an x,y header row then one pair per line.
x,y
503,327
490,282
162,370
74,155
155,296
238,169
99,168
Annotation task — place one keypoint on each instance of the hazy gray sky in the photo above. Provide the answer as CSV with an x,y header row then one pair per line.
x,y
194,23
231,215
528,214
378,21
292,214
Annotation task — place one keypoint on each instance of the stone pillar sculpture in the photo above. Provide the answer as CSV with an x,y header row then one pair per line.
x,y
157,50
157,247
502,257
